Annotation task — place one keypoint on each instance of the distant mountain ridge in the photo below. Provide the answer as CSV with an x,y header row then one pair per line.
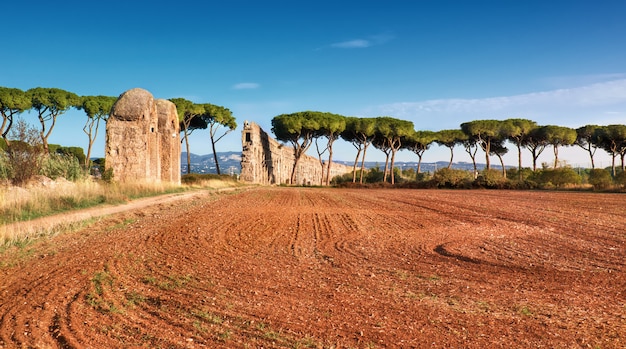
x,y
230,163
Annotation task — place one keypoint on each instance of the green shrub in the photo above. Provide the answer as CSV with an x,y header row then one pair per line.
x,y
600,179
423,177
24,160
59,165
451,178
5,169
492,179
514,174
24,153
620,179
555,178
77,152
374,175
344,178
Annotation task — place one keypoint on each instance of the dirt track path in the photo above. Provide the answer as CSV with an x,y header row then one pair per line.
x,y
295,267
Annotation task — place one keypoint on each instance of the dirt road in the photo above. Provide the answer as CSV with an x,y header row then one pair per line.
x,y
324,268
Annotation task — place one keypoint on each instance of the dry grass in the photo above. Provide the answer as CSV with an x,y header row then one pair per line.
x,y
22,204
48,197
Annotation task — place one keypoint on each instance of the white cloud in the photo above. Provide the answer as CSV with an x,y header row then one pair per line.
x,y
599,103
358,43
363,43
246,86
580,80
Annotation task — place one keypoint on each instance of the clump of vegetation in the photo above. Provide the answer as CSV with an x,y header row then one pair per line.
x,y
492,179
546,178
24,154
452,178
556,178
599,179
59,165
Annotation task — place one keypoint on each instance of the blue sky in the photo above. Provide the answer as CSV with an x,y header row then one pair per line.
x,y
436,63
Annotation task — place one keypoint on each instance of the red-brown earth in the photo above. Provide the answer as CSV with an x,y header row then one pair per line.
x,y
323,268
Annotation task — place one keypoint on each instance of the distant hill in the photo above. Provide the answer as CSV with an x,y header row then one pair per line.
x,y
230,163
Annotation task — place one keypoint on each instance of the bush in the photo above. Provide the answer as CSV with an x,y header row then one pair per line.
x,y
620,179
423,177
514,174
491,179
58,165
198,178
373,175
73,151
5,168
451,178
555,178
600,179
24,153
344,178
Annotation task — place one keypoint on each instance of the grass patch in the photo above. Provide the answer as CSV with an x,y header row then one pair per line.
x,y
433,277
134,298
524,310
18,204
126,222
208,180
27,234
207,316
170,283
102,281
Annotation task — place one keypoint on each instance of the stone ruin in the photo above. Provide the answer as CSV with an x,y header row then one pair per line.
x,y
266,161
143,139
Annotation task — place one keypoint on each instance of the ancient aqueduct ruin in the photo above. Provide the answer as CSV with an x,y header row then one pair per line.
x,y
143,139
143,144
266,161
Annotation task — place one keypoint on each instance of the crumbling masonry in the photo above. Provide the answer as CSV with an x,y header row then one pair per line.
x,y
265,161
143,139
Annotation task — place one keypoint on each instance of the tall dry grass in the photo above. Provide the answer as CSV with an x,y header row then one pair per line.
x,y
19,204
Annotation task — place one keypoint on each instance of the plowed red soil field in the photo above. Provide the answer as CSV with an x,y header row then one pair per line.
x,y
329,268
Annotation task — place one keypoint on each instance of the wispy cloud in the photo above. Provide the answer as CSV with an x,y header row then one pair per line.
x,y
364,43
599,103
246,86
580,80
358,43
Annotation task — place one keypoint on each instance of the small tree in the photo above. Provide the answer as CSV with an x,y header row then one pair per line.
x,y
389,135
484,131
418,142
498,149
450,138
536,142
216,117
587,139
97,108
612,139
13,102
188,120
24,154
297,129
518,132
361,132
330,126
49,103
559,136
